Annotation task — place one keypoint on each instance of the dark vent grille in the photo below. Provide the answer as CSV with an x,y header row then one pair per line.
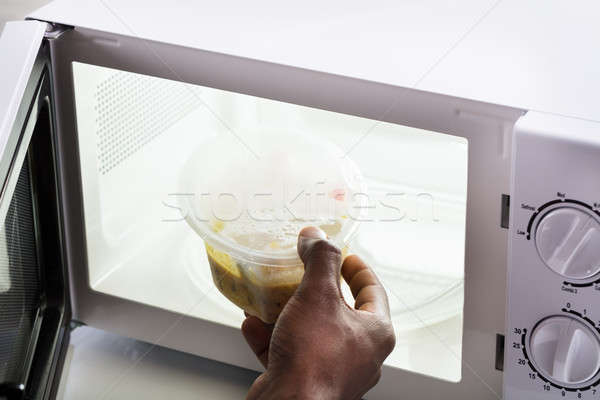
x,y
132,110
19,281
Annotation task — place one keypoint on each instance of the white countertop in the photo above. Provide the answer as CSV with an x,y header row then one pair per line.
x,y
102,365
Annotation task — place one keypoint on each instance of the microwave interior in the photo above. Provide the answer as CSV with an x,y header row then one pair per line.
x,y
435,167
136,133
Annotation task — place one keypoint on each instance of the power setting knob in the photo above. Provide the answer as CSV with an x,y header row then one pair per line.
x,y
565,350
568,241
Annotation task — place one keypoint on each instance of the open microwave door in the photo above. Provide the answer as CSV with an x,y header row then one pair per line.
x,y
34,306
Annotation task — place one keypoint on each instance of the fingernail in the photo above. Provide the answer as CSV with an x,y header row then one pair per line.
x,y
306,236
312,232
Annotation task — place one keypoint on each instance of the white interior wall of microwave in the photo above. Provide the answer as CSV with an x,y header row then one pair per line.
x,y
135,132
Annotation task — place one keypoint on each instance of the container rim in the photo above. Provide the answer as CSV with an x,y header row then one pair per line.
x,y
287,258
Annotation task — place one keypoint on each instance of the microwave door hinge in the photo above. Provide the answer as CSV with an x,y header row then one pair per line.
x,y
53,30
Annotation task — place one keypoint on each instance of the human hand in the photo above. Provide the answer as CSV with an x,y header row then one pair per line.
x,y
320,347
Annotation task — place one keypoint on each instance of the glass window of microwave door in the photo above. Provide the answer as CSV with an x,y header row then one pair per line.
x,y
135,134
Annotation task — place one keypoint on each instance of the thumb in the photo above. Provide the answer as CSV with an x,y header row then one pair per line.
x,y
322,263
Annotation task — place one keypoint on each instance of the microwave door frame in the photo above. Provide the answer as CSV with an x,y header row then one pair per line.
x,y
487,127
28,136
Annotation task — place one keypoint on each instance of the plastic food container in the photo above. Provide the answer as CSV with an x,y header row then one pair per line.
x,y
249,194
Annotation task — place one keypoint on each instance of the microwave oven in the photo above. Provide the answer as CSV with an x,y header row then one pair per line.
x,y
480,150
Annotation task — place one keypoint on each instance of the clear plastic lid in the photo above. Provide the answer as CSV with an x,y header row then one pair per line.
x,y
249,194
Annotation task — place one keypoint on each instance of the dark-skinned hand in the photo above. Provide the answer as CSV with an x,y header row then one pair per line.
x,y
320,347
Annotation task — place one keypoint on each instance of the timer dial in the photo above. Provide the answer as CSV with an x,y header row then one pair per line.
x,y
565,350
568,241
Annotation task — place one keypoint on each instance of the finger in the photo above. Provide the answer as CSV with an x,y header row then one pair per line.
x,y
258,387
258,335
322,262
368,292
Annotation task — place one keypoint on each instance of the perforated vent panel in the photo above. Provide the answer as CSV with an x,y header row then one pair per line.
x,y
132,110
19,281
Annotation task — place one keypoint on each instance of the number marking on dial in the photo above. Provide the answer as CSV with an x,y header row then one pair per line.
x,y
537,212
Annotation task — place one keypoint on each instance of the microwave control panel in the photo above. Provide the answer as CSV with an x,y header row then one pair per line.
x,y
552,338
